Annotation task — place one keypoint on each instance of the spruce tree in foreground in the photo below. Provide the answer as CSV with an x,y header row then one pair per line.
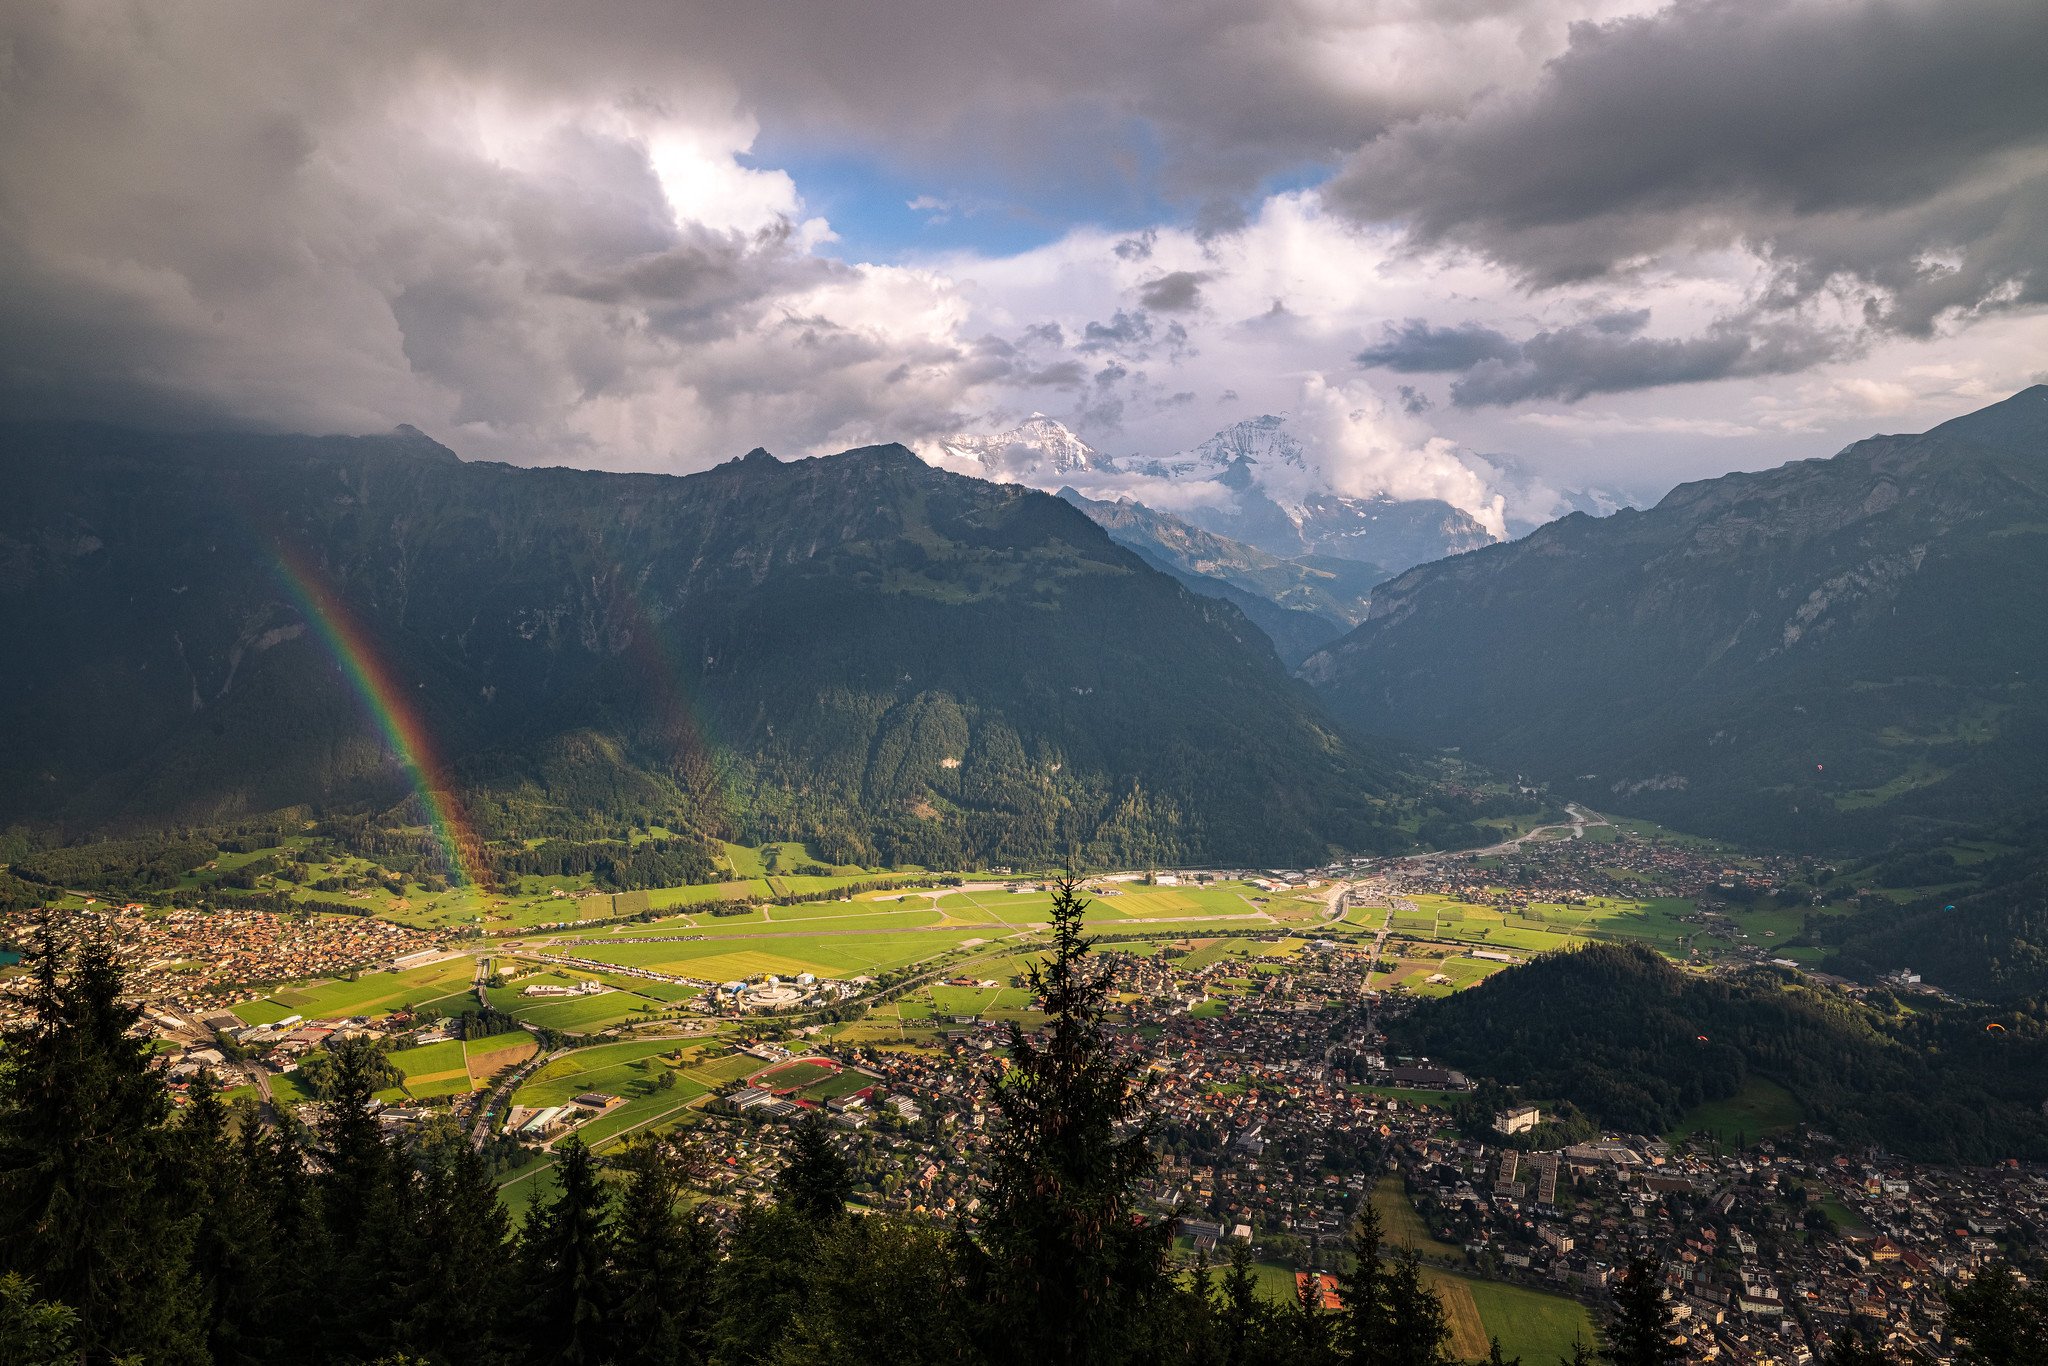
x,y
663,1253
565,1248
1390,1318
1851,1348
2005,1325
1367,1330
1248,1321
1642,1330
1067,1272
815,1183
87,1203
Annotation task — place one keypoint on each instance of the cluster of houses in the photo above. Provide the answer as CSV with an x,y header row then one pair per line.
x,y
1571,872
187,960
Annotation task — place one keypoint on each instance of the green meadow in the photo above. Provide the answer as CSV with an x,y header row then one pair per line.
x,y
1760,1109
372,993
619,1069
1530,1324
1542,927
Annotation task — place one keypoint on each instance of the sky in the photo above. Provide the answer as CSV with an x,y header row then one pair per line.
x,y
1555,244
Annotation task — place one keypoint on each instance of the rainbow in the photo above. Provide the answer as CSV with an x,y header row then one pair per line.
x,y
390,706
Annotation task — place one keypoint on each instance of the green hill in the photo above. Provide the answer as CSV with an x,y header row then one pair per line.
x,y
892,663
1621,1033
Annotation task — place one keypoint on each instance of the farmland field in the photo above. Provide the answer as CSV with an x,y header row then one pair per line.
x,y
373,993
718,1071
485,1057
434,1058
1530,1324
828,954
581,1014
640,1110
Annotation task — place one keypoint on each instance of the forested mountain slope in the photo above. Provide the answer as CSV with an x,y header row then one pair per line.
x,y
1835,653
903,664
1618,1031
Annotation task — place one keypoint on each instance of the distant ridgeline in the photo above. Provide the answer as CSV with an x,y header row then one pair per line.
x,y
894,664
1625,1036
1835,654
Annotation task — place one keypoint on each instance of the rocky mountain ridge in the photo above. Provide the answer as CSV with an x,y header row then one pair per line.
x,y
1844,649
1302,604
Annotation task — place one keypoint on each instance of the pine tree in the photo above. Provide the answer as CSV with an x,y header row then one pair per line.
x,y
1494,1357
363,1194
1308,1328
1190,1328
1418,1327
1070,1269
662,1258
877,1293
565,1248
1851,1348
815,1182
2005,1325
761,1285
452,1302
83,1139
1247,1319
1366,1333
235,1255
1642,1320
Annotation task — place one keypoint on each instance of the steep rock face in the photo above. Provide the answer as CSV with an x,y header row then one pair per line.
x,y
1302,604
1836,650
792,649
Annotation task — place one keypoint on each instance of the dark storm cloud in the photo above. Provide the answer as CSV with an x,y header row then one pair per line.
x,y
1178,292
1416,348
1122,332
1899,144
1573,362
345,215
1600,356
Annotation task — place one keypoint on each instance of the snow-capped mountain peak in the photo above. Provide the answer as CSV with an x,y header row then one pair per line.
x,y
1255,482
1039,446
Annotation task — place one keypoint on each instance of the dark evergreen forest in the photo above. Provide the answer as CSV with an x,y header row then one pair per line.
x,y
1618,1031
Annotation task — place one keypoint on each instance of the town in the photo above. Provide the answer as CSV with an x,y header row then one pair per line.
x,y
1261,1045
